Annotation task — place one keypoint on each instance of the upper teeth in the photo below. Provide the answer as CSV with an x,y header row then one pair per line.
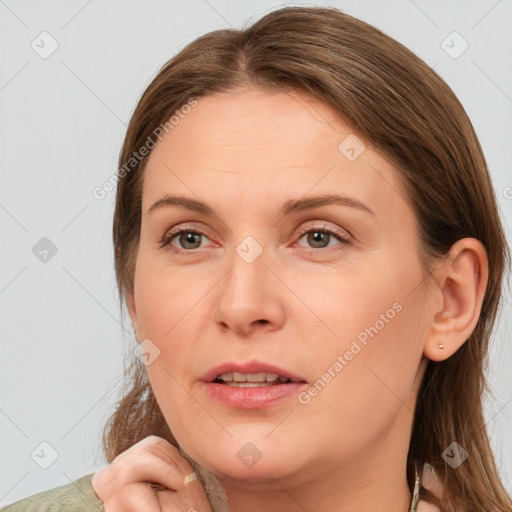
x,y
252,377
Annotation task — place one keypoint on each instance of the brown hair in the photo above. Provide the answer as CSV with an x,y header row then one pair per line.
x,y
392,99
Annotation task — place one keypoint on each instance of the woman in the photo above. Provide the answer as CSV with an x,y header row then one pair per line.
x,y
352,232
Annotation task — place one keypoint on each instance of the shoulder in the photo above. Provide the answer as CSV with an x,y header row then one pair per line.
x,y
77,496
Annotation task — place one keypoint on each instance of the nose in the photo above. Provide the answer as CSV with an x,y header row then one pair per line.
x,y
249,297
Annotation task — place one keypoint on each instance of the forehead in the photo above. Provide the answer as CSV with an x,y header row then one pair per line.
x,y
252,140
250,120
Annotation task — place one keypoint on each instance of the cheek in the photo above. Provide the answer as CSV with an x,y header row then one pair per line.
x,y
378,367
371,360
166,297
167,317
358,396
168,312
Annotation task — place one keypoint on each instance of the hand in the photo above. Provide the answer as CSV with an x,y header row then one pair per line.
x,y
150,477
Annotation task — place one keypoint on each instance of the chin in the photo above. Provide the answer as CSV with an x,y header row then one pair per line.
x,y
251,455
266,469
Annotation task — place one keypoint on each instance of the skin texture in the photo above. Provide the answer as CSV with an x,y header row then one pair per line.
x,y
245,153
123,486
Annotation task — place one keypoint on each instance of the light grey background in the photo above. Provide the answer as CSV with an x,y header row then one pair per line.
x,y
62,121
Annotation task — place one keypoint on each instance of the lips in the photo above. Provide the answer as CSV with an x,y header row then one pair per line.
x,y
244,391
249,367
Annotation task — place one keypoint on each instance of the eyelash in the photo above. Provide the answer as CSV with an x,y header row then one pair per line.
x,y
165,241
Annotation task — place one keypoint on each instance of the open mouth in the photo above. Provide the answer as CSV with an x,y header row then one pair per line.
x,y
251,384
251,380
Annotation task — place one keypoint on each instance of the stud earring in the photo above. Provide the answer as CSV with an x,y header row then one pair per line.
x,y
440,345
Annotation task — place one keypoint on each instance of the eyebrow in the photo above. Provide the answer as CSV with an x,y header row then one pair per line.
x,y
291,206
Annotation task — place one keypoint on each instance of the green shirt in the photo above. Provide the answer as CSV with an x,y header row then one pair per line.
x,y
77,496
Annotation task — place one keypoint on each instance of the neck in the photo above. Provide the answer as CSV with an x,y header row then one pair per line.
x,y
357,487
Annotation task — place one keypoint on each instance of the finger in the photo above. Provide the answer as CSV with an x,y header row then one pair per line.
x,y
159,447
146,468
137,497
174,502
164,501
167,452
196,499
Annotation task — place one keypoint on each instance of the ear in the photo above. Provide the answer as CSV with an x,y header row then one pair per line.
x,y
132,310
462,281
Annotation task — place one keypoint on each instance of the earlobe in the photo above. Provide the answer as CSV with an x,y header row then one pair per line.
x,y
462,281
442,341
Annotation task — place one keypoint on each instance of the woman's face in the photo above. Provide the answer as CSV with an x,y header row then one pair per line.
x,y
329,292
